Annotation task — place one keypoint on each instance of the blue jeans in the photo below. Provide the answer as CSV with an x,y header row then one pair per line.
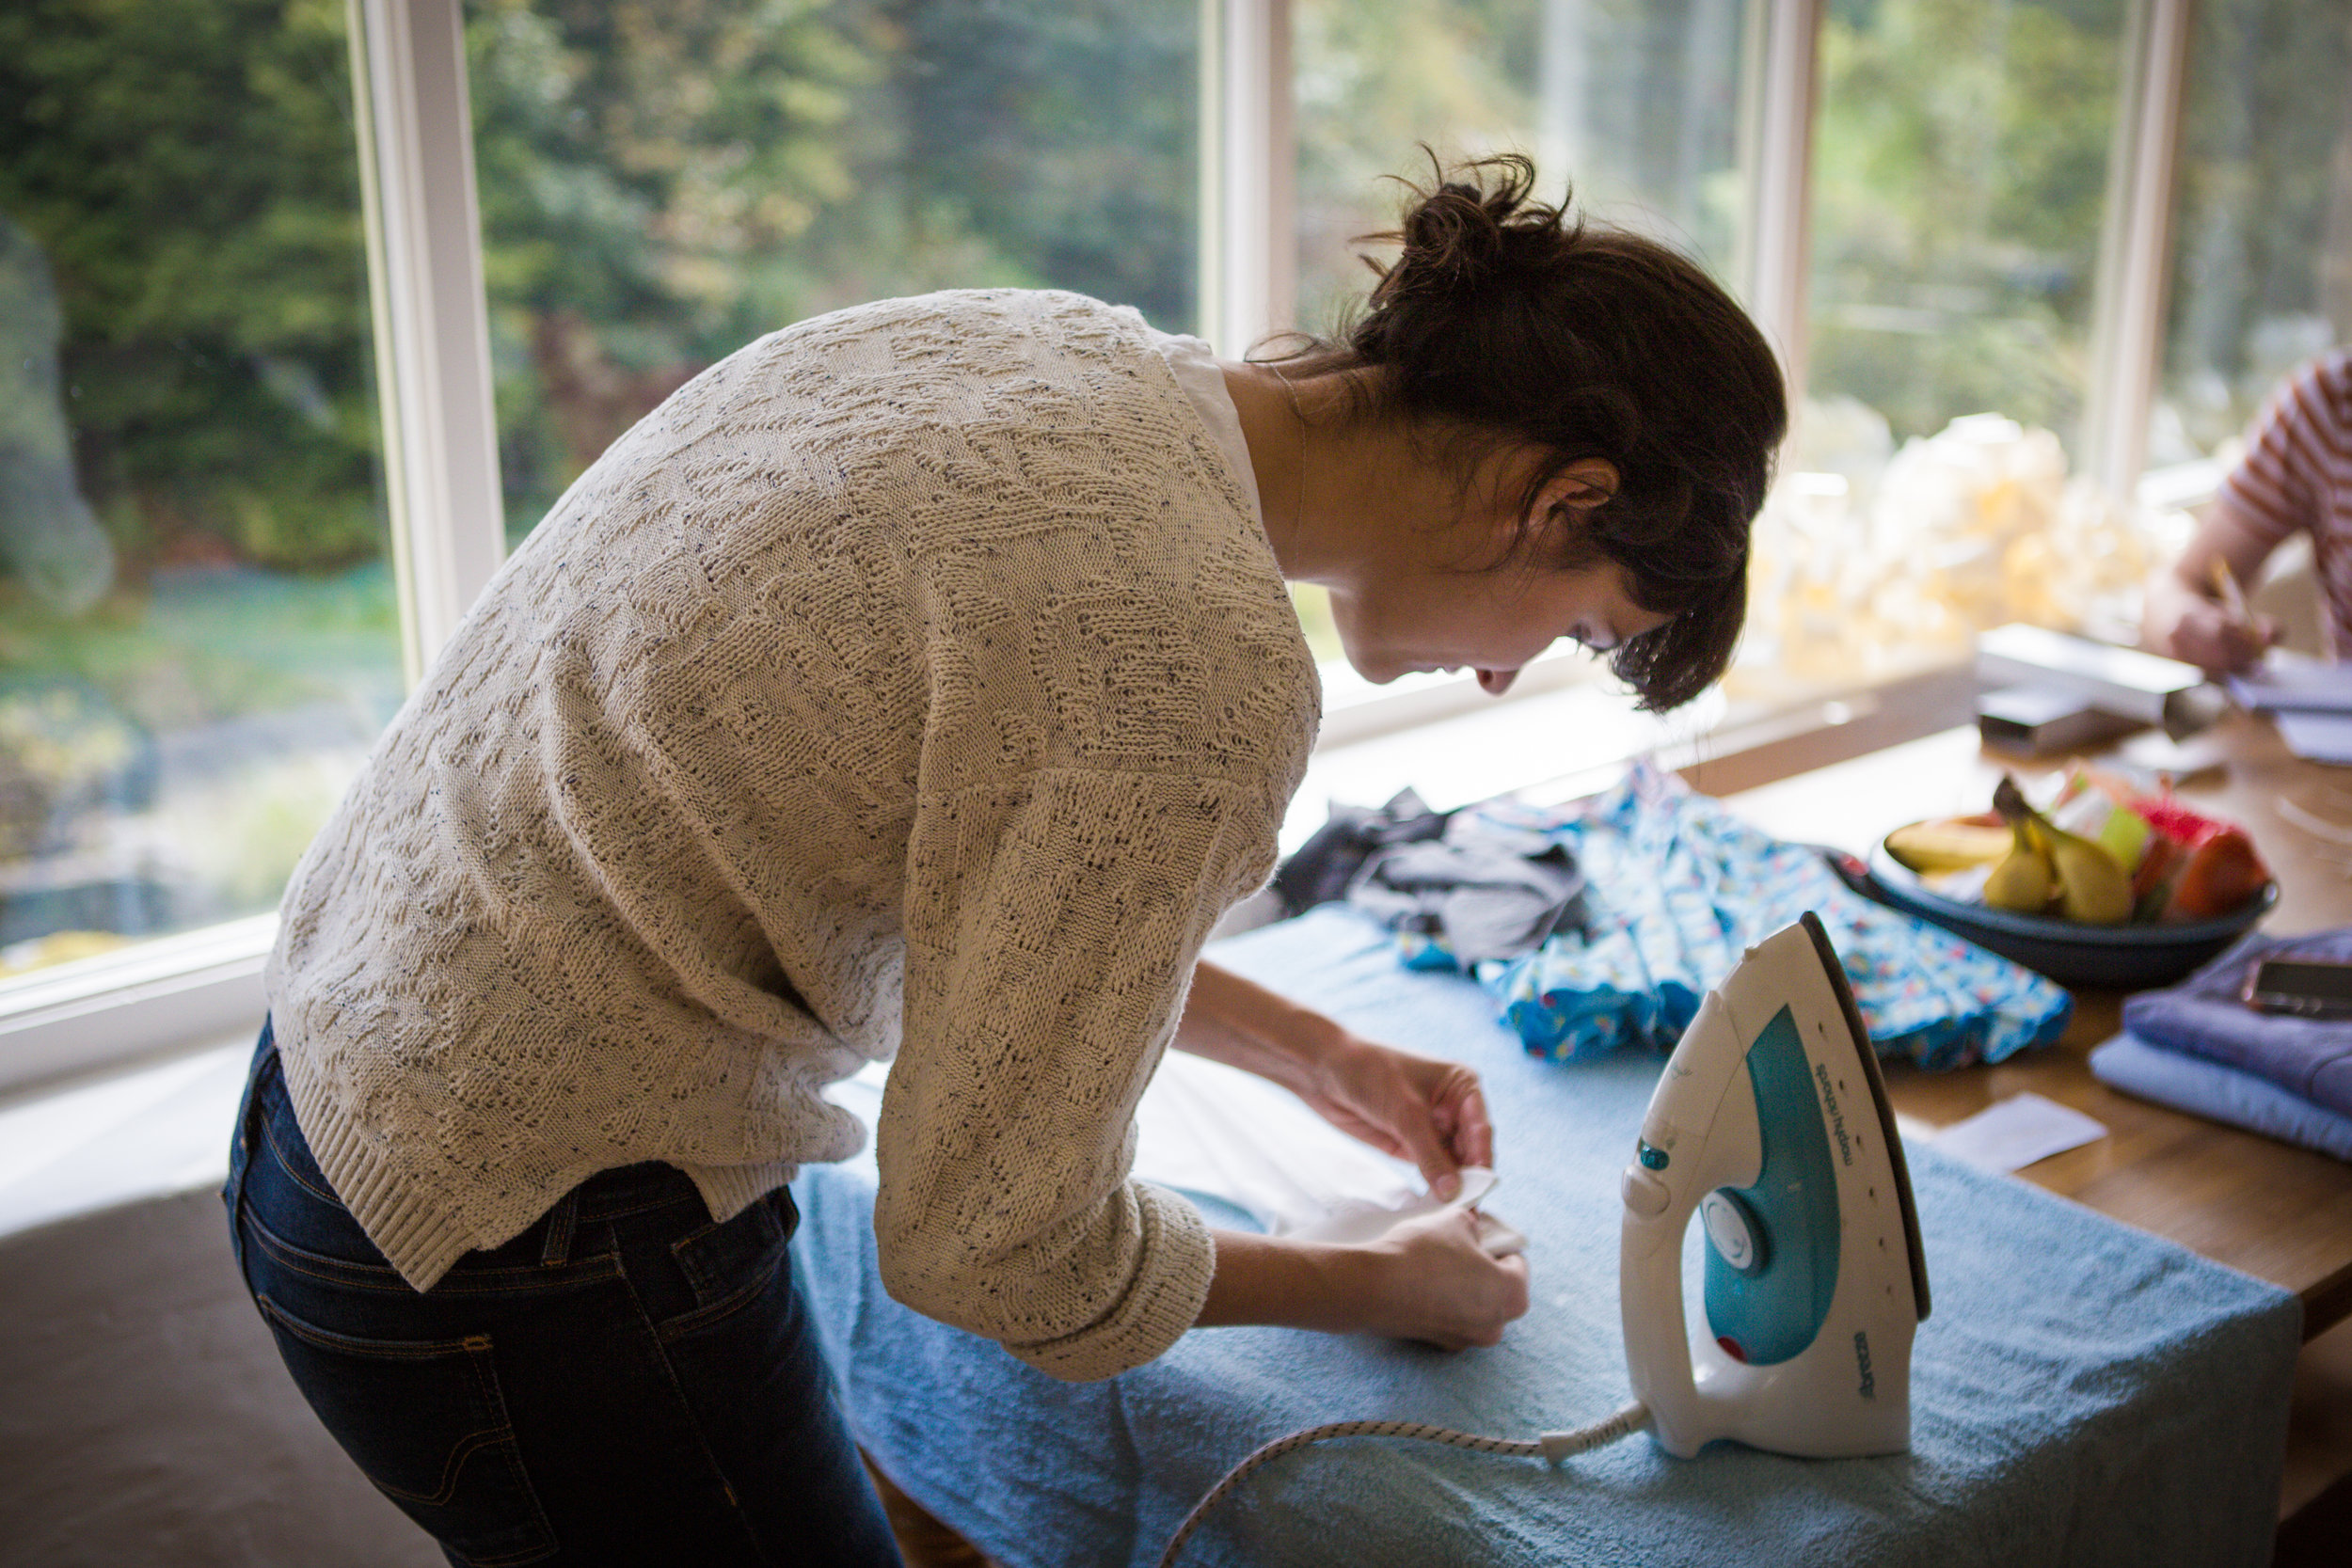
x,y
623,1383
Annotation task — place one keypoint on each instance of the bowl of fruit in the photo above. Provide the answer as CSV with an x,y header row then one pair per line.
x,y
2103,887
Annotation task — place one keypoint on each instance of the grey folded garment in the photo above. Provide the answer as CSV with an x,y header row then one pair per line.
x,y
2203,1016
1322,870
1485,891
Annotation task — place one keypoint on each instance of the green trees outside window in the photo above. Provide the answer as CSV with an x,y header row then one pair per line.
x,y
2262,225
197,631
1959,183
663,180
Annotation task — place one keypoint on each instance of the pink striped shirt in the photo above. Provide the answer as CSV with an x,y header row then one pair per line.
x,y
2297,474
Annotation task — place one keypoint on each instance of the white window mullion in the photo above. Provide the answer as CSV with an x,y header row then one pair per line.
x,y
2135,253
432,325
1785,35
1248,156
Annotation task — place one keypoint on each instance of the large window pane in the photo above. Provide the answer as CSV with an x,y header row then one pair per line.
x,y
2262,236
198,638
663,181
1962,152
1960,179
1639,104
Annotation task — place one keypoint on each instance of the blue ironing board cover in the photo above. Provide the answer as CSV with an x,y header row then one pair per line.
x,y
1678,887
2084,1393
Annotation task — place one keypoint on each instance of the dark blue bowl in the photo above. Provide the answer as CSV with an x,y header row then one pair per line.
x,y
2101,957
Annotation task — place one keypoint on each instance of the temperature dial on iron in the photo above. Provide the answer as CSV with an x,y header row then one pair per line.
x,y
1735,1231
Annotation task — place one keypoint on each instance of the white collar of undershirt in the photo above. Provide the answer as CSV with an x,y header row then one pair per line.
x,y
1194,365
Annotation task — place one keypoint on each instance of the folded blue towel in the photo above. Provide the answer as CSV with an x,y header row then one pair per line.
x,y
2204,1016
1678,887
2205,1088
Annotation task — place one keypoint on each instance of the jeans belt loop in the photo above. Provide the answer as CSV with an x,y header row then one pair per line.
x,y
562,1221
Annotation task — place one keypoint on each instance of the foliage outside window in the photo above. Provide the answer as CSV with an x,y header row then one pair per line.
x,y
198,636
2262,227
664,181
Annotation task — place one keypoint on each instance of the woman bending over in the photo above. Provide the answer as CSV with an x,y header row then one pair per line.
x,y
920,684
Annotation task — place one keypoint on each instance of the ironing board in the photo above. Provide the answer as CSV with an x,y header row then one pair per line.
x,y
2084,1393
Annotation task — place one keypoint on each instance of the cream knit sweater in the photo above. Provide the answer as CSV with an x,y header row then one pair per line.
x,y
916,681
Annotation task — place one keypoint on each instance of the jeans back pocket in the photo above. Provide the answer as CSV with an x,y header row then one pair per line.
x,y
451,1463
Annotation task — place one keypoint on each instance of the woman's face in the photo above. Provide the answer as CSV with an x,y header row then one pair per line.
x,y
1493,622
1452,598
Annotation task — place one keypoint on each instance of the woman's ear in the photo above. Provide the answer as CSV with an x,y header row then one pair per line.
x,y
1564,505
1574,492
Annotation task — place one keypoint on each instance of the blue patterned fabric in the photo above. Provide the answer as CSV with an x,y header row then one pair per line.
x,y
1679,887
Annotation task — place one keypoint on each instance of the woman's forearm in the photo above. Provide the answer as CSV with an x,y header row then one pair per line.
x,y
2241,543
1241,1023
1418,1108
1429,1279
1263,1279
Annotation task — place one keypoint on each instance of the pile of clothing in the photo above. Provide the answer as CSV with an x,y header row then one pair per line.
x,y
2198,1048
1606,923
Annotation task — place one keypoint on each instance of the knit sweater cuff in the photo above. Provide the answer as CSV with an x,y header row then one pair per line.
x,y
1171,1285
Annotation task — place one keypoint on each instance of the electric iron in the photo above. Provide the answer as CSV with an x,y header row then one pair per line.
x,y
1771,1124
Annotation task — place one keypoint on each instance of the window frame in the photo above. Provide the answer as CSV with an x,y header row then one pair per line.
x,y
431,312
440,442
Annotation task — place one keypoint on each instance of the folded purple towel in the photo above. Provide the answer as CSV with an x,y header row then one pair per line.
x,y
2204,1016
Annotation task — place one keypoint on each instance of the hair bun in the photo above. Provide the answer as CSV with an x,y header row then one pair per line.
x,y
1456,235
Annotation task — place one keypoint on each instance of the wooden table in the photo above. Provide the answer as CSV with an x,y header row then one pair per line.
x,y
2278,1212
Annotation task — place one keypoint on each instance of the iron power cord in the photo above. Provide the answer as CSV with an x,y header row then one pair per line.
x,y
1551,1447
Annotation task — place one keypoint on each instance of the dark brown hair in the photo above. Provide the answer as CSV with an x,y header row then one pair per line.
x,y
1504,318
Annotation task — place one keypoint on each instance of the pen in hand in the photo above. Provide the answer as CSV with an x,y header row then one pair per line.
x,y
2239,624
2232,597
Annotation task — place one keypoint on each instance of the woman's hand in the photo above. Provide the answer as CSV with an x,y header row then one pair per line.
x,y
1430,1279
1414,1107
2183,624
2186,616
1437,1283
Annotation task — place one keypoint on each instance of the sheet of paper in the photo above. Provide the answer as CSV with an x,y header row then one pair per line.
x,y
2153,751
2317,737
2289,682
2012,1133
1203,1127
1350,1223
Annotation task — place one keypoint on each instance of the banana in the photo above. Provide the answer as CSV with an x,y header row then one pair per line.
x,y
2023,880
2092,887
1947,844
